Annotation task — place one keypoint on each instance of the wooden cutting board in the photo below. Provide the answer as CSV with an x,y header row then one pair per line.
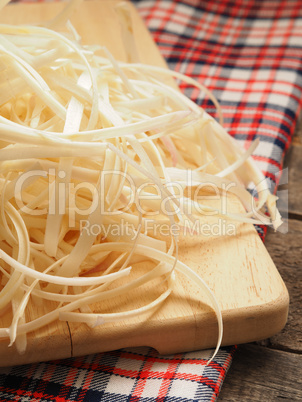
x,y
248,287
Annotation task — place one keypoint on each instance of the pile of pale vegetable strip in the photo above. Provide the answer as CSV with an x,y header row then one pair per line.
x,y
78,132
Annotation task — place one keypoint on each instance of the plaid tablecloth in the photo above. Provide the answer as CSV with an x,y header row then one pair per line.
x,y
250,56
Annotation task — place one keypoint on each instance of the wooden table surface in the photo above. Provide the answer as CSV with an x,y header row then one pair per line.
x,y
271,370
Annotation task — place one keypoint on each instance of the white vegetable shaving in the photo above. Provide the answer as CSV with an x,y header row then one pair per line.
x,y
91,150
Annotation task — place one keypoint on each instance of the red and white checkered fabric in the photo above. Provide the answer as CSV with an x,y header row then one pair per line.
x,y
249,53
127,375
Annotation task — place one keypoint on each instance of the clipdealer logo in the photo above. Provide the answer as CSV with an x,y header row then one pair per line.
x,y
221,227
148,199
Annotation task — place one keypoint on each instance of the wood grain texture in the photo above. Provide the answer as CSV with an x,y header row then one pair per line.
x,y
250,363
261,374
287,254
249,289
295,181
290,193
